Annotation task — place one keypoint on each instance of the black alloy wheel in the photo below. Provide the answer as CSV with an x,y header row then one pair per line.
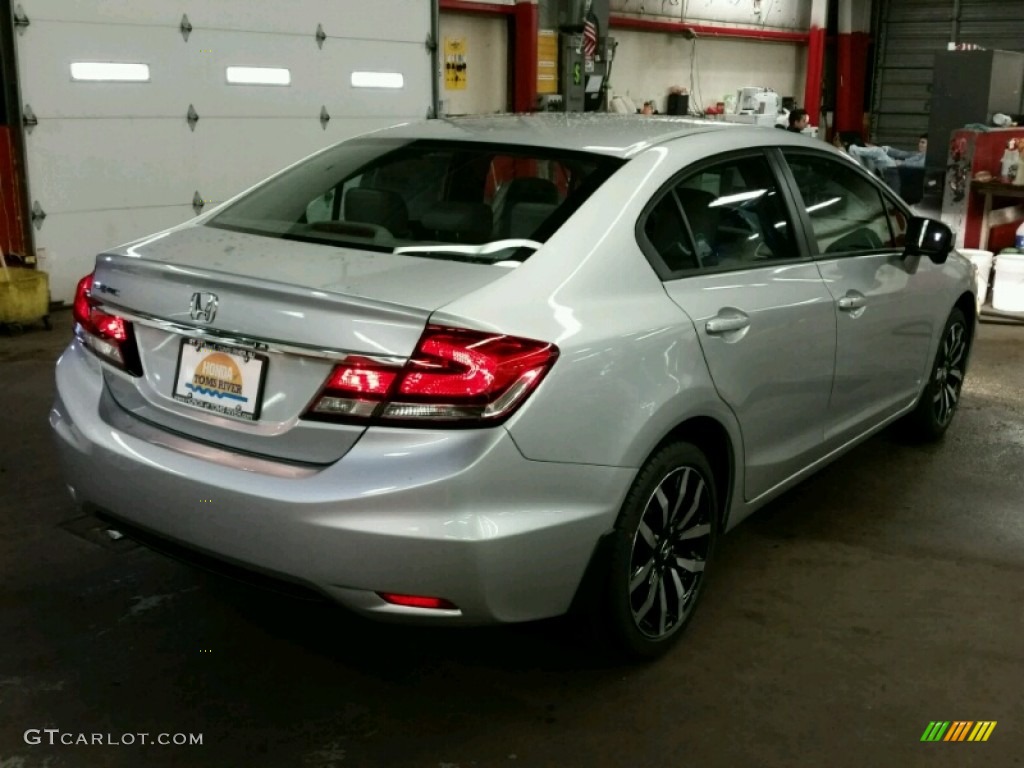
x,y
662,546
940,397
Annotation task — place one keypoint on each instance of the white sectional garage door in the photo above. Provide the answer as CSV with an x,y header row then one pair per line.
x,y
109,162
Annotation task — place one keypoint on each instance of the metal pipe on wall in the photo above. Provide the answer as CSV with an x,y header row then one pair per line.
x,y
852,46
816,59
435,58
707,30
526,21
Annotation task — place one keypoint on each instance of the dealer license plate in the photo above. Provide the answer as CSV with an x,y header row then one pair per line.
x,y
221,379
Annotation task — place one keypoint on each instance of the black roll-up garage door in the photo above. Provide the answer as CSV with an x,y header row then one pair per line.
x,y
909,33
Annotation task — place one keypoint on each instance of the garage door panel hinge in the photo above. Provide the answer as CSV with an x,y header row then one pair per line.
x,y
320,35
324,117
20,19
28,118
38,214
185,27
198,203
192,117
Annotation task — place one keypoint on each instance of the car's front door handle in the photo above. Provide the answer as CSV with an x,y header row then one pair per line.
x,y
850,303
726,324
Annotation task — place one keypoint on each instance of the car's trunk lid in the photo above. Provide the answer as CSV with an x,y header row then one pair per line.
x,y
294,309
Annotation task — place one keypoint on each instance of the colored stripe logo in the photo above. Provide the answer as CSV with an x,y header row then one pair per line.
x,y
958,730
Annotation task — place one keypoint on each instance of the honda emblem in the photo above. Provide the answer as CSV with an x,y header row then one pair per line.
x,y
204,306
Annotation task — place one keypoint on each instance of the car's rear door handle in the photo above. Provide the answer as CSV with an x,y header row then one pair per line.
x,y
852,301
726,324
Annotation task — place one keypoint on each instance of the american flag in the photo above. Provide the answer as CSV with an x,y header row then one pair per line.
x,y
589,34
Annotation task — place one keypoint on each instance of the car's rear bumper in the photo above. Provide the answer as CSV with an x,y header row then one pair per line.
x,y
457,514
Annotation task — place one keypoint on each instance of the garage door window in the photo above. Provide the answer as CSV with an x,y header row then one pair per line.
x,y
109,72
258,76
846,210
377,80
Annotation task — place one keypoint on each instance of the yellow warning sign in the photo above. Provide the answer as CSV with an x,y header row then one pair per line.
x,y
547,61
455,63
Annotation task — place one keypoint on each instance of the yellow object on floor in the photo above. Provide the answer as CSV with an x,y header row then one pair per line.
x,y
24,295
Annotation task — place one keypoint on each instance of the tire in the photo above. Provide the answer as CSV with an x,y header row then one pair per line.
x,y
941,394
652,582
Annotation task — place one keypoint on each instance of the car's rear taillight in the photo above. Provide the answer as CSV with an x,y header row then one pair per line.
x,y
355,389
455,376
109,336
418,601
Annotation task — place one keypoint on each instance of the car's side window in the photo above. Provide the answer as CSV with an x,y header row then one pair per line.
x,y
727,215
320,208
736,214
847,212
327,207
666,232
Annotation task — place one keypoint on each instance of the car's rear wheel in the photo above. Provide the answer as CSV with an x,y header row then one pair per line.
x,y
660,551
941,395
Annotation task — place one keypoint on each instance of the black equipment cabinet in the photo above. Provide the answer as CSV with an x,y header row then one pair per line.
x,y
970,87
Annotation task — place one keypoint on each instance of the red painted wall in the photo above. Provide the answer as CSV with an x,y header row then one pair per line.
x,y
815,72
852,66
11,225
527,18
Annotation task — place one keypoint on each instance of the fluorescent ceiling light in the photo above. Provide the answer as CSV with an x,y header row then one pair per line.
x,y
109,71
826,204
739,197
377,80
259,76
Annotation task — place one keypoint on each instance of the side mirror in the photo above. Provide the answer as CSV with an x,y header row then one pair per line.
x,y
928,237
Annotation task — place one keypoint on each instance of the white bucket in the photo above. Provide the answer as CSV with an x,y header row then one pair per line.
x,y
982,261
1008,286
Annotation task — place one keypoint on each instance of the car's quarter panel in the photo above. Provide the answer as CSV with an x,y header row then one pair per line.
x,y
630,367
776,372
458,514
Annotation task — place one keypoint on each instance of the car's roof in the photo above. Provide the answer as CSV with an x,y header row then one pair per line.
x,y
606,134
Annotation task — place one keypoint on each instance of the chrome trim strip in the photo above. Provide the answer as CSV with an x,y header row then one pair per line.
x,y
258,345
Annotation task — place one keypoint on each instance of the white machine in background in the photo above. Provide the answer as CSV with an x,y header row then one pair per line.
x,y
753,100
755,106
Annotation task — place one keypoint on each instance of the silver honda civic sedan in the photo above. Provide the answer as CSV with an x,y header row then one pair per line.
x,y
494,369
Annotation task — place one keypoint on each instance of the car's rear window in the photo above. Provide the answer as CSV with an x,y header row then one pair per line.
x,y
403,196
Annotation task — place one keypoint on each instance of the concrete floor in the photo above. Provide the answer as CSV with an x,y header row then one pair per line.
x,y
886,592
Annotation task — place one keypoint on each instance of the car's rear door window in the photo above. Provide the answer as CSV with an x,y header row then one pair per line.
x,y
727,215
847,212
